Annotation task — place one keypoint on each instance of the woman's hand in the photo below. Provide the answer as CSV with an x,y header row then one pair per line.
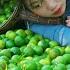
x,y
68,21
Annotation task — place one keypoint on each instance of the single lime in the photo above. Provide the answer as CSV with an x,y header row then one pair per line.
x,y
6,52
47,67
29,37
15,59
47,50
19,41
37,59
21,33
39,66
58,60
3,64
67,49
53,43
15,50
66,57
5,58
31,65
10,44
53,53
28,51
43,44
38,50
60,67
33,41
2,18
22,49
45,61
29,32
2,36
68,67
61,49
2,44
38,37
10,35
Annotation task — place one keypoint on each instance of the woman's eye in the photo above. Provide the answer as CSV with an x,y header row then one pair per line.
x,y
35,3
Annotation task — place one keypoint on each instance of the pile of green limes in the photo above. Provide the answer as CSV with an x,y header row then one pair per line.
x,y
6,9
24,50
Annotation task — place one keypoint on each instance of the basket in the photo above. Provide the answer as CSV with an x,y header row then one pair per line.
x,y
25,14
11,20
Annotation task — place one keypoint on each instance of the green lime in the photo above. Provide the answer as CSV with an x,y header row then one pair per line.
x,y
10,35
5,58
47,50
60,67
7,10
29,58
43,44
38,50
31,65
68,67
29,37
67,49
2,36
29,32
28,51
15,59
47,40
39,66
38,37
53,44
16,68
21,33
58,60
30,44
61,49
15,50
10,44
19,41
45,61
66,57
47,67
33,41
5,52
37,59
2,44
5,39
26,40
22,49
11,65
2,18
3,64
8,15
55,52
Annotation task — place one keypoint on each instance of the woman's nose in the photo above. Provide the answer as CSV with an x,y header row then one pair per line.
x,y
51,4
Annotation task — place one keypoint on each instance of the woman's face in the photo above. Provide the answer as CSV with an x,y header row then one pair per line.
x,y
46,7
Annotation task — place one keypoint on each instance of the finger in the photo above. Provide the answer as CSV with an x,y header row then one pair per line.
x,y
68,17
67,21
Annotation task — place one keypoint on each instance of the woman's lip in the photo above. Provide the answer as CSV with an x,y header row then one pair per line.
x,y
58,11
